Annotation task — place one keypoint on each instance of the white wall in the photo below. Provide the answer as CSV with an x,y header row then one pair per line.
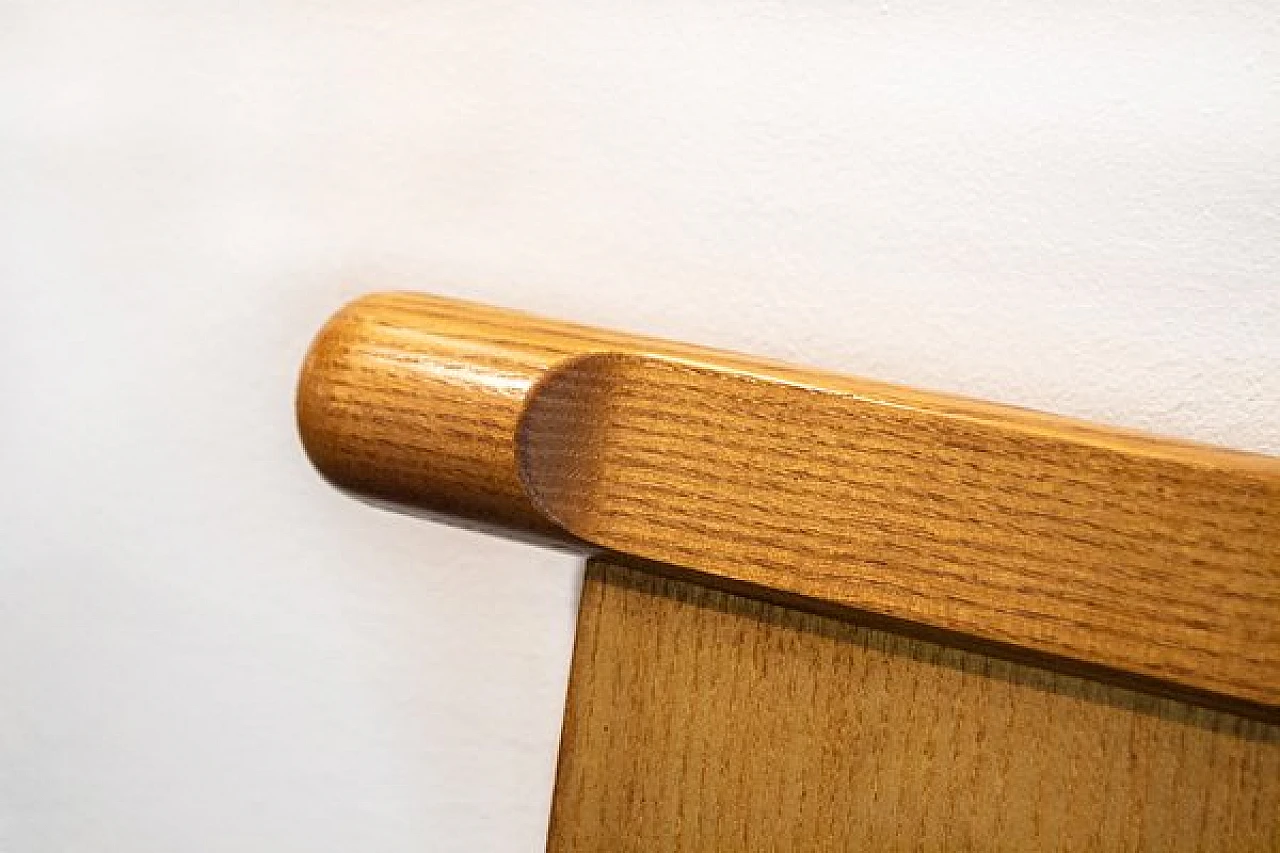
x,y
1070,206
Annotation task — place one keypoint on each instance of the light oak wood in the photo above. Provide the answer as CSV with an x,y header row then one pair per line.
x,y
1143,558
699,720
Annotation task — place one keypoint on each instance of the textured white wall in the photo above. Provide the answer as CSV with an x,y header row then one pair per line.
x,y
1071,206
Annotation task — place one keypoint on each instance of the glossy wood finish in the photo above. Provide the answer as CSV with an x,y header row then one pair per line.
x,y
699,720
1146,558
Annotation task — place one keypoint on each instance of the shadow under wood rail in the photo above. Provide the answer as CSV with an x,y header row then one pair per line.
x,y
1141,557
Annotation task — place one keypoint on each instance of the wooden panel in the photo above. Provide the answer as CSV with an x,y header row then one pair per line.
x,y
699,720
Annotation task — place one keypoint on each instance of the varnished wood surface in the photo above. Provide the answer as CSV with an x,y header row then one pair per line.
x,y
1111,549
1140,556
699,720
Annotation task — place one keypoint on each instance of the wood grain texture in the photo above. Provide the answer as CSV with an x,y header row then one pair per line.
x,y
1115,549
1143,557
699,720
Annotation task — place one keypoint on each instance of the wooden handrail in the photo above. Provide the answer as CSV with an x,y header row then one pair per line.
x,y
1146,558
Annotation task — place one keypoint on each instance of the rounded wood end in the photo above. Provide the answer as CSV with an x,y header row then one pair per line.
x,y
414,401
